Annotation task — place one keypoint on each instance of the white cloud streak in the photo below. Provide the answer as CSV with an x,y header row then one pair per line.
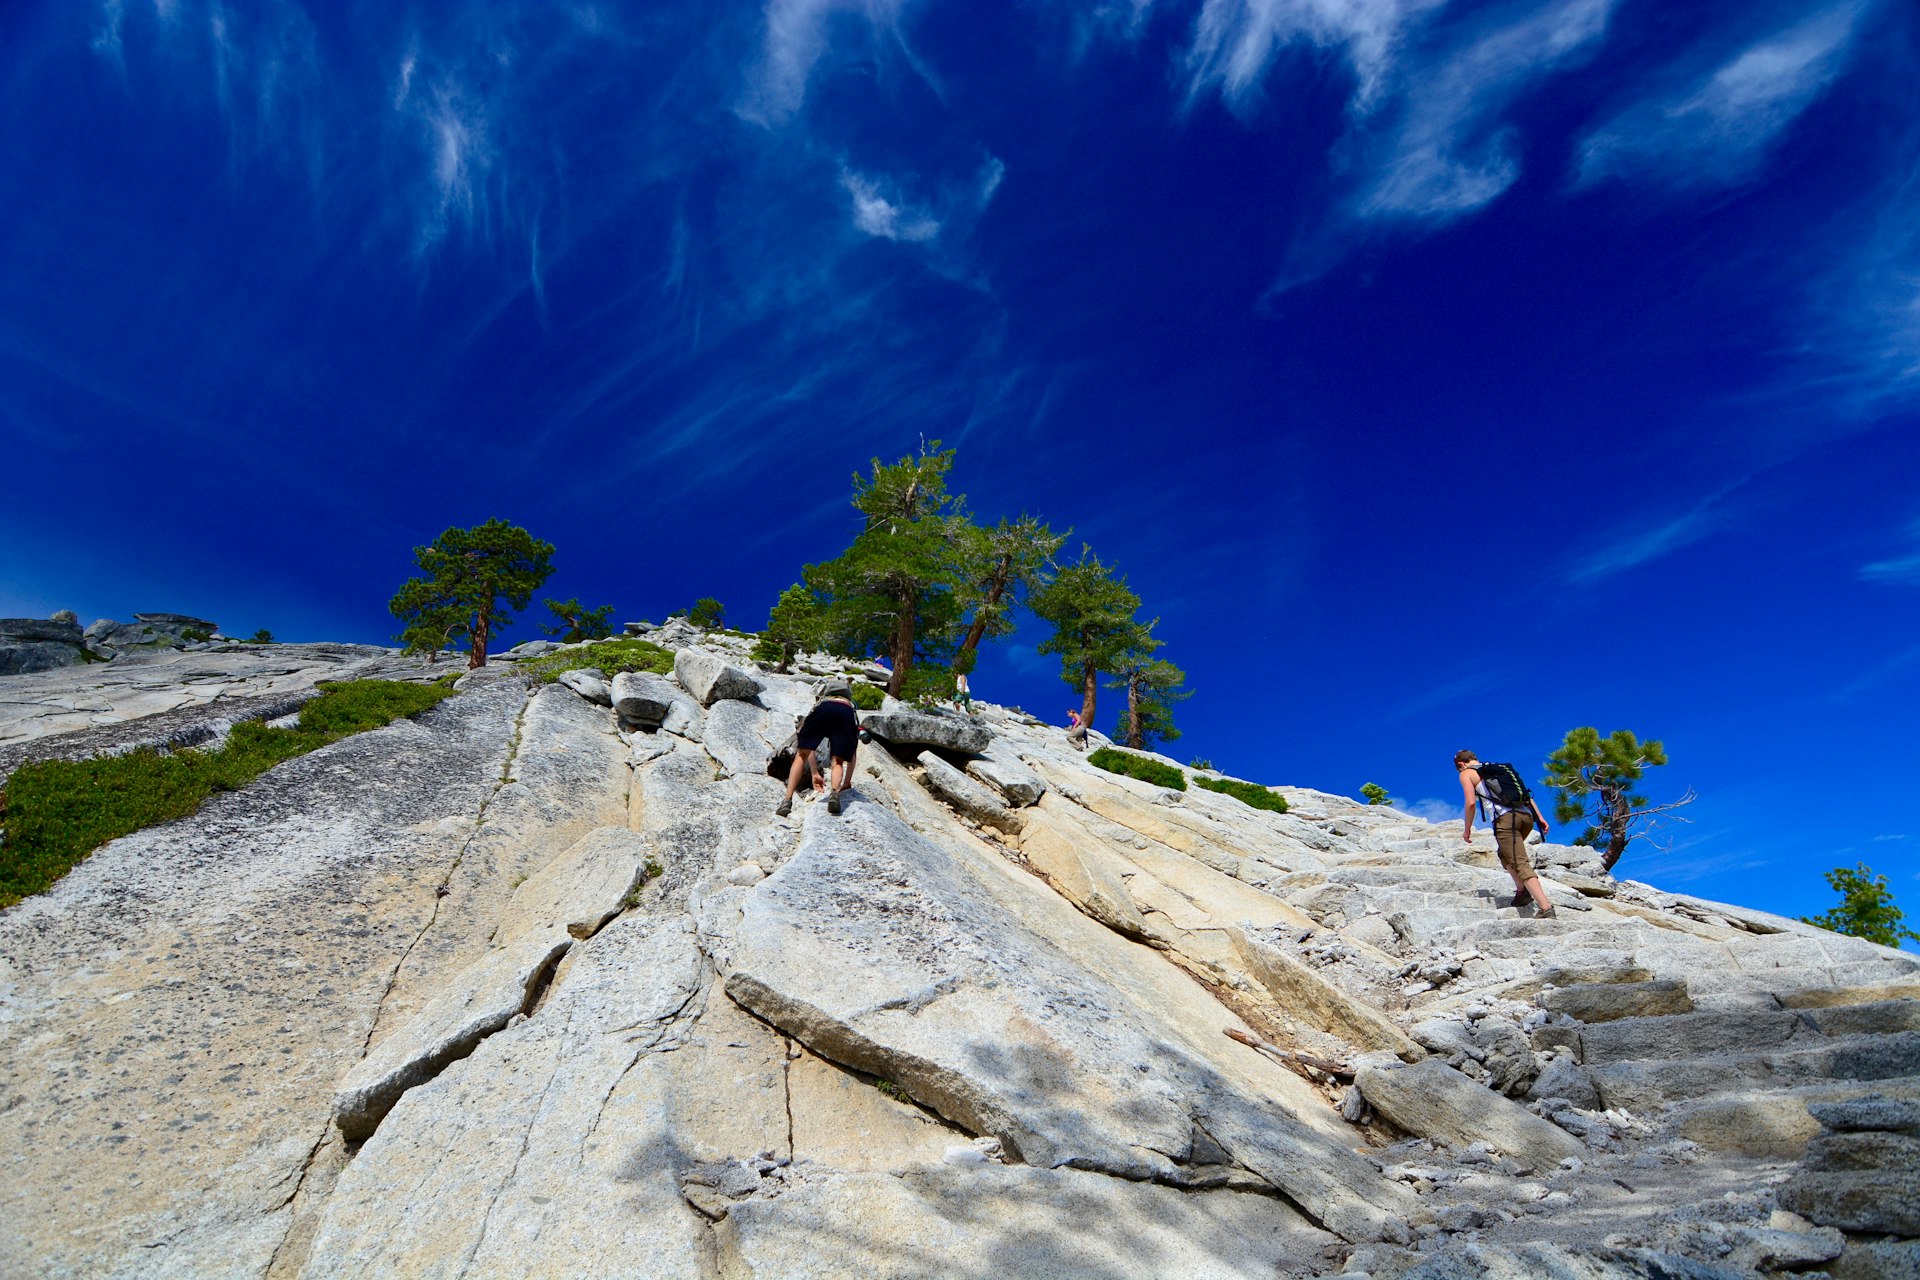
x,y
1638,546
888,219
795,42
1716,127
1235,41
1900,568
1447,155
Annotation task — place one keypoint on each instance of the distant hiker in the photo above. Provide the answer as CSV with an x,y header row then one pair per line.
x,y
1514,813
1076,729
833,721
962,697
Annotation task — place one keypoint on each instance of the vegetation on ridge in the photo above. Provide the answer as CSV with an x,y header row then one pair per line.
x,y
608,657
1598,780
1247,793
56,812
1866,909
473,578
1129,765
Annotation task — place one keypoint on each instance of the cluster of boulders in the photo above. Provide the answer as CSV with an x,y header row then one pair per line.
x,y
30,644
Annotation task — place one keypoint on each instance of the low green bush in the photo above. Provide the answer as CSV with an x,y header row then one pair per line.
x,y
1246,793
867,697
1133,766
608,657
56,812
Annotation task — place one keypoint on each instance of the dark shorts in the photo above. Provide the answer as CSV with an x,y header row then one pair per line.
x,y
837,724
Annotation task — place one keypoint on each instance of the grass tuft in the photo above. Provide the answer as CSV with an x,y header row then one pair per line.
x,y
1133,766
56,812
1246,793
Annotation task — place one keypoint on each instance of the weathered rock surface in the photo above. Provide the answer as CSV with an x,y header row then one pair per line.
x,y
590,685
1017,784
1435,1101
710,679
597,1011
967,797
643,699
916,729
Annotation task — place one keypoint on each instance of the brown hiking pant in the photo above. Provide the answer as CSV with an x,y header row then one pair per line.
x,y
1510,832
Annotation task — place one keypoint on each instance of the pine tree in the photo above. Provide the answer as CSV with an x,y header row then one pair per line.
x,y
473,578
891,592
1094,629
1597,780
574,622
794,623
1374,793
1866,909
1152,686
997,568
707,613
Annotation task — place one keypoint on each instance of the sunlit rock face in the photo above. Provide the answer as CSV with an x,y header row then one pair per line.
x,y
535,985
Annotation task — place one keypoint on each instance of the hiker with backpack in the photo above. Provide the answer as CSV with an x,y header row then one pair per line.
x,y
832,722
1501,790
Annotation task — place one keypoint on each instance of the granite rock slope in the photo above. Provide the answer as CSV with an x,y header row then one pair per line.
x,y
538,986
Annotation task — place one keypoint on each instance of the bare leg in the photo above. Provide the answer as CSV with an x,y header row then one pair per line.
x,y
799,771
1540,900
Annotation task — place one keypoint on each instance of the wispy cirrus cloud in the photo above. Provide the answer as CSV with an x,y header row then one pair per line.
x,y
1902,567
1235,41
1714,126
796,39
1448,152
1636,545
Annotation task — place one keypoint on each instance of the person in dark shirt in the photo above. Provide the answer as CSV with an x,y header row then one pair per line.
x,y
834,722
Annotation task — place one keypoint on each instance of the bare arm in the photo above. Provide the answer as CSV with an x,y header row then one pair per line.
x,y
1539,817
1469,779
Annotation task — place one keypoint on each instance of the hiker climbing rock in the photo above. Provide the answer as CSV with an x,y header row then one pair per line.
x,y
1076,729
834,722
1514,815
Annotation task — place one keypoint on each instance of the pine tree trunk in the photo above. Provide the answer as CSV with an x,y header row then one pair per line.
x,y
902,645
1134,735
1617,815
1090,685
477,650
978,628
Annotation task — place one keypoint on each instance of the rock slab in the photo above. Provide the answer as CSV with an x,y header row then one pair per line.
x,y
710,679
917,729
1431,1099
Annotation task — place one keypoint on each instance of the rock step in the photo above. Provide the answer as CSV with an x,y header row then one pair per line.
x,y
1693,1035
1645,1085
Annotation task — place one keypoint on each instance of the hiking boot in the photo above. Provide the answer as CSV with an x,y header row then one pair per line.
x,y
786,807
1548,914
1521,899
833,802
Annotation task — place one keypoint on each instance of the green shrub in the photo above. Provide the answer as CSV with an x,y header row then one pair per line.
x,y
56,812
1133,766
707,613
1246,793
867,697
262,636
1374,793
608,657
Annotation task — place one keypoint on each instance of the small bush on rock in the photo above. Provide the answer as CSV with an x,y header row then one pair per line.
x,y
1249,793
867,697
1133,766
56,812
608,657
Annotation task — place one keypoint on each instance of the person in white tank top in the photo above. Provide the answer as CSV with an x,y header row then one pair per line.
x,y
1511,827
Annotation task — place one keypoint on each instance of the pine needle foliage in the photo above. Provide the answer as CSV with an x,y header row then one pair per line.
x,y
1599,780
56,812
574,622
474,579
1866,909
1132,766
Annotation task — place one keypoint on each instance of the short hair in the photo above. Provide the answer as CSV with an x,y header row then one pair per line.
x,y
1463,757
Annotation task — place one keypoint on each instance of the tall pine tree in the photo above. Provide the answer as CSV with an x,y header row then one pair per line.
x,y
1092,612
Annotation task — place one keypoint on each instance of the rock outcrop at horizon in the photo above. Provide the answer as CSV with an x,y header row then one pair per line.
x,y
538,985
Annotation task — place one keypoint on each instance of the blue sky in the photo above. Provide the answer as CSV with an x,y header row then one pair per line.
x,y
1441,374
